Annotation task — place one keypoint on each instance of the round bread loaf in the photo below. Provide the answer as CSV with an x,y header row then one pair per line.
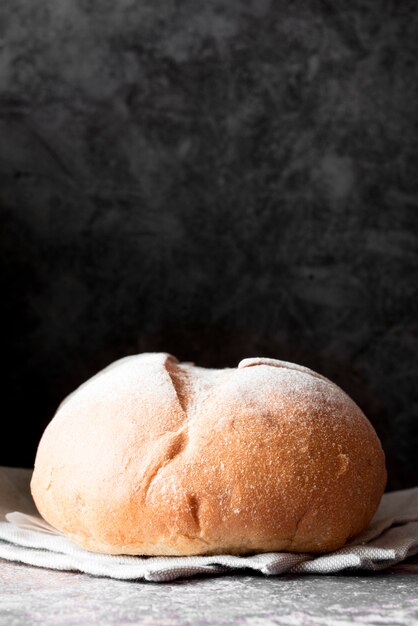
x,y
156,457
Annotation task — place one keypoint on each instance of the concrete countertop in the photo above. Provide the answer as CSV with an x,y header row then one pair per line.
x,y
31,595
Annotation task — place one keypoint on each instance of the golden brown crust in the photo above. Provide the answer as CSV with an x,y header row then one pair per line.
x,y
156,457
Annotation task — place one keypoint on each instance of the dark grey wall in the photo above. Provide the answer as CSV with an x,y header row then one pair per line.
x,y
214,179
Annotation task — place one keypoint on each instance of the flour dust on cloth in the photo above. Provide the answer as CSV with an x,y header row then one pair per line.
x,y
25,537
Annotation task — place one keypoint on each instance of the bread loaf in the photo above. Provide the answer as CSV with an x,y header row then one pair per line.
x,y
156,457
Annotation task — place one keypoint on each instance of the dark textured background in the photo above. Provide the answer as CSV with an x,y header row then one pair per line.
x,y
213,179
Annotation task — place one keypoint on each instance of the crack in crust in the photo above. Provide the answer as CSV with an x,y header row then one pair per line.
x,y
178,442
194,506
180,381
254,362
299,522
175,446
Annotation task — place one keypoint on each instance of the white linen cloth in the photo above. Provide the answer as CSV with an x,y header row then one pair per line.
x,y
25,537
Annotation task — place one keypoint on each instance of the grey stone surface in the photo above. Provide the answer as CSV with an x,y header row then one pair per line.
x,y
214,179
36,596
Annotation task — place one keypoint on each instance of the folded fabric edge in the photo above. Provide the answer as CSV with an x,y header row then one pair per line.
x,y
31,522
